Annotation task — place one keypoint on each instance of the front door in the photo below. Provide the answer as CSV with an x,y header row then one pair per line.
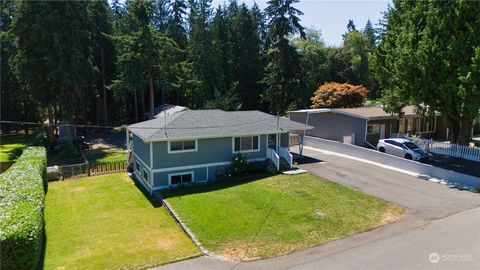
x,y
272,141
382,131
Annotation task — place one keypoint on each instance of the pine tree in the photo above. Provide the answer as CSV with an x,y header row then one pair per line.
x,y
176,25
53,55
103,53
200,51
282,74
369,32
247,64
160,16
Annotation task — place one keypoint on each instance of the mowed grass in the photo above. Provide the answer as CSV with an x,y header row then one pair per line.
x,y
105,155
276,215
11,146
106,222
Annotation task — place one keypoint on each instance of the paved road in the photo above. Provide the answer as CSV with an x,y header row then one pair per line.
x,y
439,220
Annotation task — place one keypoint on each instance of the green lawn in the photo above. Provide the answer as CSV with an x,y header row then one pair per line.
x,y
11,146
105,155
106,222
276,215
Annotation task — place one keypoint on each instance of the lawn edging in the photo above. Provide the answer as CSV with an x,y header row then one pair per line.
x,y
182,224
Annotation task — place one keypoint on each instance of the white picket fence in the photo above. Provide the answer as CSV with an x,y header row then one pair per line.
x,y
453,150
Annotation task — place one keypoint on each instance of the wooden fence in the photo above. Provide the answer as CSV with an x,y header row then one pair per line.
x,y
91,169
453,150
106,168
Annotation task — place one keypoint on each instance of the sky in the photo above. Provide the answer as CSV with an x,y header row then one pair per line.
x,y
331,17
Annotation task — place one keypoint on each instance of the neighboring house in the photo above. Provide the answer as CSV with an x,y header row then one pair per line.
x,y
366,125
198,145
166,109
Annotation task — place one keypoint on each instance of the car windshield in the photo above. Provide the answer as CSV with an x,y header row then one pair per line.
x,y
410,145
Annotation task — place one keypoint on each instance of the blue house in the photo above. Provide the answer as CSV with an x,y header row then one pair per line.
x,y
198,145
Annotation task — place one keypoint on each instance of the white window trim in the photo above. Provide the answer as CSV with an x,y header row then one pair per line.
x,y
143,175
139,169
182,151
181,173
245,151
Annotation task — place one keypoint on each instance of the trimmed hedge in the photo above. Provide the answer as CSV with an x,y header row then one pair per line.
x,y
22,195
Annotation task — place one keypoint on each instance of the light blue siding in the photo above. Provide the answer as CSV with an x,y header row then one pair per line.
x,y
208,151
160,179
141,149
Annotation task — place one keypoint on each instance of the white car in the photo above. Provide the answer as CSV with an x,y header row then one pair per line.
x,y
403,148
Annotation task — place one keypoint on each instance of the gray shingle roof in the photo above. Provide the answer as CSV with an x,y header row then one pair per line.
x,y
212,123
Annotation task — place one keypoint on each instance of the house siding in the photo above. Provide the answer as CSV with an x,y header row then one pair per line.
x,y
161,179
332,126
208,151
141,149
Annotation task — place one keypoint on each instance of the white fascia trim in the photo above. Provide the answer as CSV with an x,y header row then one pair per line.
x,y
180,173
213,137
141,161
245,151
182,151
189,167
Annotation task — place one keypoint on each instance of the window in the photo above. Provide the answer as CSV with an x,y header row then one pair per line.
x,y
137,167
182,178
373,129
182,146
246,144
145,175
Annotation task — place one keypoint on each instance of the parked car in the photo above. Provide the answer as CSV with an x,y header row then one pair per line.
x,y
403,148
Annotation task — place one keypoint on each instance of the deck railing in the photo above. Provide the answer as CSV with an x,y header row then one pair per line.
x,y
285,153
273,156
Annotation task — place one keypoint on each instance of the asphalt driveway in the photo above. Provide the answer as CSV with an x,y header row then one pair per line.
x,y
439,231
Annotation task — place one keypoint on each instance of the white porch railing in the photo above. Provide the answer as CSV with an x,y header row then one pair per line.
x,y
453,150
273,156
285,153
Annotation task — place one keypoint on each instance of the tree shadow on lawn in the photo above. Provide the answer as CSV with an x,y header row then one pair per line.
x,y
212,186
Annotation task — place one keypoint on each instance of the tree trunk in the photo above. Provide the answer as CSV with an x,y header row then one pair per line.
x,y
152,99
135,101
461,130
51,127
25,115
104,90
463,137
142,101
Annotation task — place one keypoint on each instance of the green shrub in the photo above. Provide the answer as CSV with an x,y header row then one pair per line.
x,y
68,149
40,139
239,165
22,195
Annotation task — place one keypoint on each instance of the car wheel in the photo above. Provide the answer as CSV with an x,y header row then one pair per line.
x,y
381,149
408,156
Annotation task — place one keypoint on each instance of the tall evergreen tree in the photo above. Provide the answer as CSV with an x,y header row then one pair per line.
x,y
53,56
176,25
369,33
201,53
282,74
160,16
247,64
103,54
